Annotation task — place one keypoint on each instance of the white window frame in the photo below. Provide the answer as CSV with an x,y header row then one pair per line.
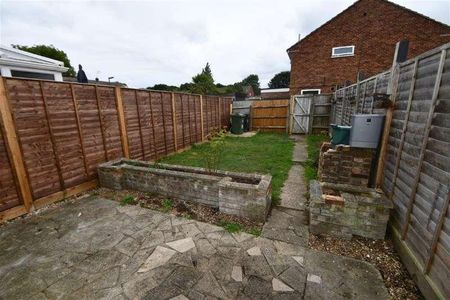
x,y
309,90
342,55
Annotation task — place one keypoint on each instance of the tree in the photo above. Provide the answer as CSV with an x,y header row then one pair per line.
x,y
203,83
280,80
51,52
163,87
252,80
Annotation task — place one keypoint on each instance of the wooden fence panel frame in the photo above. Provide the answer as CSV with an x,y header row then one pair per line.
x,y
106,108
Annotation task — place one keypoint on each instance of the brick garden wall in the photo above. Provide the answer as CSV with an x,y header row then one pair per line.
x,y
345,165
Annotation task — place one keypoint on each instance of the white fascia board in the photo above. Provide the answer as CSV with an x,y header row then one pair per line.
x,y
31,55
32,65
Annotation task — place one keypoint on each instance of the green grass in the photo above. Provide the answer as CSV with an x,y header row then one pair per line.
x,y
167,205
230,226
263,153
313,143
127,200
255,231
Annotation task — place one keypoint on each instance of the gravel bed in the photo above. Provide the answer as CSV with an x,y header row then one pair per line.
x,y
380,253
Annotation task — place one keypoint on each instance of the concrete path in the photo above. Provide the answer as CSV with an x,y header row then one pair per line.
x,y
96,249
288,222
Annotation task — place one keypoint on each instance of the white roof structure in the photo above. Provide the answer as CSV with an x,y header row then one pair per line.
x,y
281,90
18,63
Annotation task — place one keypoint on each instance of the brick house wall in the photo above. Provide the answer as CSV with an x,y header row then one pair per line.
x,y
373,27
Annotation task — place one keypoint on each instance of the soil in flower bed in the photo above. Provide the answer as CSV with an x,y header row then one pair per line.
x,y
380,253
181,208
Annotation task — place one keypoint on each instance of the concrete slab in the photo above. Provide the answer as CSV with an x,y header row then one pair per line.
x,y
300,154
112,252
293,193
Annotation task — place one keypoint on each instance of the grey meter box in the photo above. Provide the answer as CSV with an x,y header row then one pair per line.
x,y
366,131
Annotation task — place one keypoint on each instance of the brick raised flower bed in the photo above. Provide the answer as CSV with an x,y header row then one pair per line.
x,y
245,195
345,210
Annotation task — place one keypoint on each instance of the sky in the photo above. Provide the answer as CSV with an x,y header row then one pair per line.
x,y
142,43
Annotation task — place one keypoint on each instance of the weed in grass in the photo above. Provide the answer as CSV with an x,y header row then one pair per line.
x,y
167,205
230,226
127,200
256,231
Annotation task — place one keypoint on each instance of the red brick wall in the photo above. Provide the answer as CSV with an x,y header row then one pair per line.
x,y
345,165
374,27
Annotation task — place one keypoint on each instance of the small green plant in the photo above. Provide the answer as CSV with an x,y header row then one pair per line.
x,y
167,205
231,227
127,200
256,231
314,141
213,156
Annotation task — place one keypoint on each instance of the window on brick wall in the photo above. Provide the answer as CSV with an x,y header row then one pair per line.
x,y
343,51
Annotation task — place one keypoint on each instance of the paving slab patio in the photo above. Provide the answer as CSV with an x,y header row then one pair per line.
x,y
94,248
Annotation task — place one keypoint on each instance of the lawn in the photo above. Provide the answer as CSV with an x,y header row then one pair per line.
x,y
263,153
313,143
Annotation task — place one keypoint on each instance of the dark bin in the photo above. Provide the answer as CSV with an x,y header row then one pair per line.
x,y
237,123
247,123
340,135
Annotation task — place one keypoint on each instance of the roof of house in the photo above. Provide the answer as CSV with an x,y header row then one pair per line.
x,y
351,6
14,57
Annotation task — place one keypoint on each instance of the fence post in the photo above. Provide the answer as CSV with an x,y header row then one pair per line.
x,y
122,123
358,88
220,115
174,122
80,132
392,91
311,114
13,145
405,125
291,114
201,117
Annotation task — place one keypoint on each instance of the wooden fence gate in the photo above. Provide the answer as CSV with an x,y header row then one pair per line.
x,y
309,113
300,113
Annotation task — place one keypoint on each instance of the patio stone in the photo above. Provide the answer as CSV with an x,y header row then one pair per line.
x,y
279,286
236,274
159,257
299,259
104,254
180,297
314,278
182,245
254,251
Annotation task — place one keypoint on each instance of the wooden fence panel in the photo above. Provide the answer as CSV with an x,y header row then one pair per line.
x,y
110,122
132,119
270,115
9,193
90,126
66,134
62,131
416,174
33,132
